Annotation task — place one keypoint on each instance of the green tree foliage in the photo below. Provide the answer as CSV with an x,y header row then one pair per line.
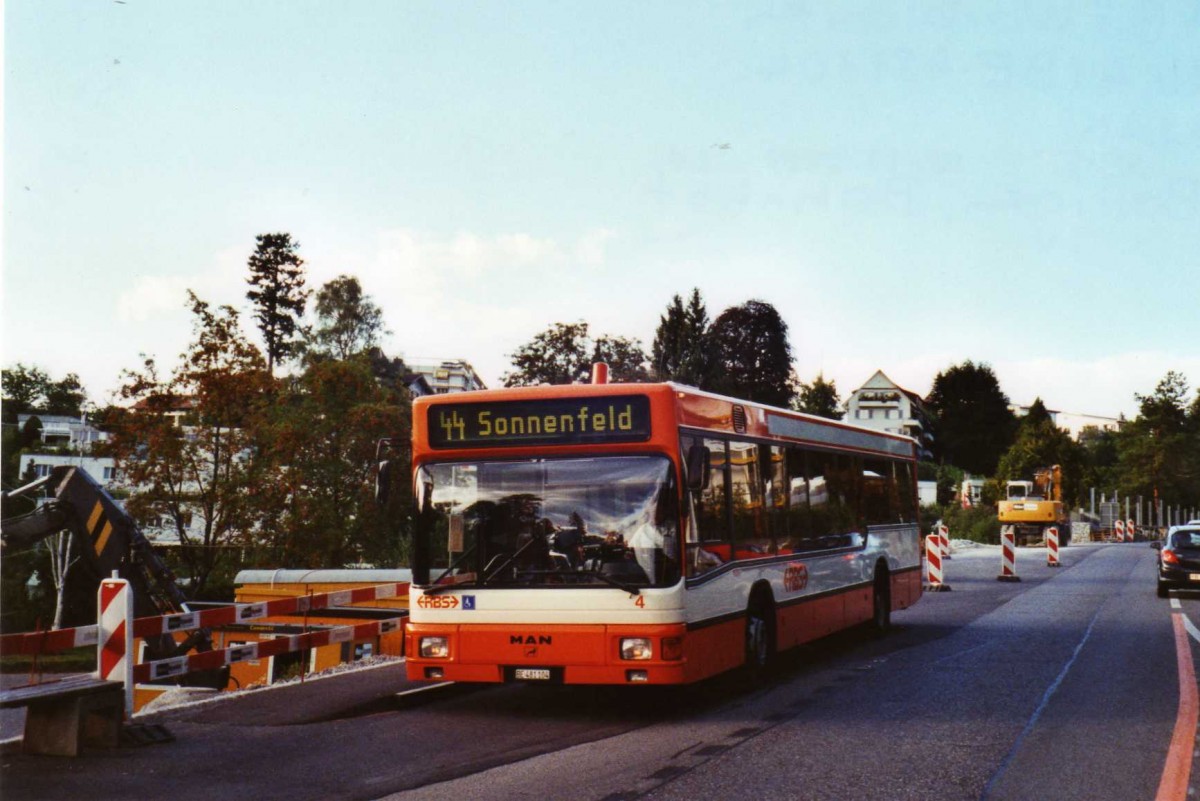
x,y
277,291
972,423
195,467
681,351
1040,443
348,321
1099,459
819,398
752,353
564,354
317,489
1157,452
30,389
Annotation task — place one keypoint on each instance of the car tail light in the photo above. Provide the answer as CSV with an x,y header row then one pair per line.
x,y
1170,557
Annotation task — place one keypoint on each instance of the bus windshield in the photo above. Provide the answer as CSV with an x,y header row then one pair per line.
x,y
604,522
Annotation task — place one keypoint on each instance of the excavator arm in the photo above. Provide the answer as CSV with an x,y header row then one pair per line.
x,y
109,541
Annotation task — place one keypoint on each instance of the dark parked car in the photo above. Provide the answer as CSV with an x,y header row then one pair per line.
x,y
1179,560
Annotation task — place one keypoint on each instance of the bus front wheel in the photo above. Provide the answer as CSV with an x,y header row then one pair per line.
x,y
760,631
881,620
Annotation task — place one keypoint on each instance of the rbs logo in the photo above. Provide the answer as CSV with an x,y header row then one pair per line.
x,y
795,578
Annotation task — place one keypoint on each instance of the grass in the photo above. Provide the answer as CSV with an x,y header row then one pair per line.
x,y
78,660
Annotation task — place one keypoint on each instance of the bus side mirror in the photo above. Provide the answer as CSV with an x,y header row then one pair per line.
x,y
697,468
383,483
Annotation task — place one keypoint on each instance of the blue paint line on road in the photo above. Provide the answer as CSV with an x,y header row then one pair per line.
x,y
1037,713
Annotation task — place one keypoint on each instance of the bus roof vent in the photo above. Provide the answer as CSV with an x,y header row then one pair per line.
x,y
739,418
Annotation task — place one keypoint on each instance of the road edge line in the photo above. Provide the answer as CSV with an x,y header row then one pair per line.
x,y
1173,786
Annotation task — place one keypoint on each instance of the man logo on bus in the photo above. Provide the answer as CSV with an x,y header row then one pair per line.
x,y
795,578
530,639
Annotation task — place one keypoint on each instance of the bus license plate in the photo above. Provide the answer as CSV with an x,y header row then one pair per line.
x,y
534,674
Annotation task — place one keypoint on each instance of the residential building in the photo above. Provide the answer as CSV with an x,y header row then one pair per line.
x,y
64,431
884,405
448,375
39,465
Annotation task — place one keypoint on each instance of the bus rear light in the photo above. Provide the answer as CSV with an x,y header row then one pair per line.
x,y
636,648
435,647
672,649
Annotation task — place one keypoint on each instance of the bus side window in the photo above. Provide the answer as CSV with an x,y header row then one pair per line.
x,y
777,492
906,491
880,502
750,537
708,543
831,491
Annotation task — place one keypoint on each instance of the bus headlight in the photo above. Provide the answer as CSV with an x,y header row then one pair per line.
x,y
435,647
636,648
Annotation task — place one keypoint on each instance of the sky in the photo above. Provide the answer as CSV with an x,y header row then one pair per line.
x,y
910,185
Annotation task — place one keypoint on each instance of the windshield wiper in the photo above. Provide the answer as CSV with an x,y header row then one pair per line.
x,y
612,582
489,571
438,588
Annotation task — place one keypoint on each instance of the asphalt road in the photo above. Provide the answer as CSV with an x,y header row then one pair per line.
x,y
1062,686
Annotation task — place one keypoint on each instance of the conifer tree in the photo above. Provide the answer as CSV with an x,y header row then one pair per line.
x,y
278,294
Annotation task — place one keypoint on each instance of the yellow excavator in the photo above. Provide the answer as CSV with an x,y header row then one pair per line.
x,y
1031,507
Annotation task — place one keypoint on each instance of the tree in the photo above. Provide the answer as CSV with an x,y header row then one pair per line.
x,y
319,443
564,353
24,390
819,398
61,561
681,350
625,359
197,466
277,292
30,389
348,322
1098,458
1040,443
1157,451
972,423
752,353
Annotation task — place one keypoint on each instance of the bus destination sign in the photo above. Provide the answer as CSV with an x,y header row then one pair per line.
x,y
556,421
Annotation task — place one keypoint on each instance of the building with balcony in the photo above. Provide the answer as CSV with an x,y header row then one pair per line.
x,y
884,405
447,375
63,431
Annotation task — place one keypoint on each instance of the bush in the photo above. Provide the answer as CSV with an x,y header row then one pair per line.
x,y
977,523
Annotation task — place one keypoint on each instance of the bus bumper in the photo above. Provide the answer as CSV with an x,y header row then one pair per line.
x,y
545,654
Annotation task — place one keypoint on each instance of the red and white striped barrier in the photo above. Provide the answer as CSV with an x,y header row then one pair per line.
x,y
47,642
1130,530
114,657
943,533
1008,555
1052,547
1119,530
179,665
933,565
240,613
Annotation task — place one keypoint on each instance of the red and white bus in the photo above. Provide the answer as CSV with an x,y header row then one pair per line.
x,y
646,533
